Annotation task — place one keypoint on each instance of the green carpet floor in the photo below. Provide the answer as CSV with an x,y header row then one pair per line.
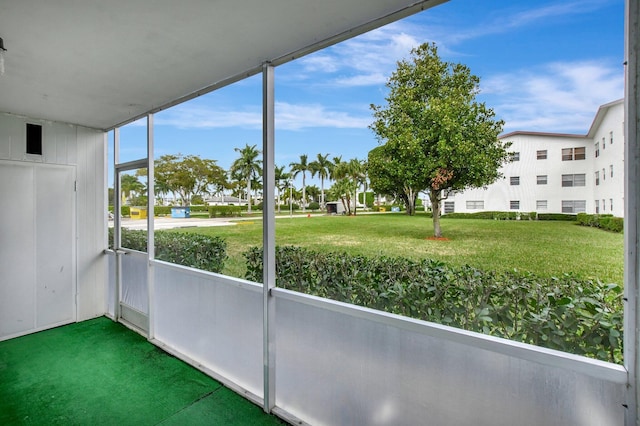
x,y
100,373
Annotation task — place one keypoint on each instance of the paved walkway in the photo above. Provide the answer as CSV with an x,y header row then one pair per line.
x,y
169,222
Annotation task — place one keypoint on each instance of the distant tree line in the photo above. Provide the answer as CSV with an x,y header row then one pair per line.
x,y
190,179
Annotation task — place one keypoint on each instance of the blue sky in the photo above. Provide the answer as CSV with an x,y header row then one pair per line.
x,y
543,65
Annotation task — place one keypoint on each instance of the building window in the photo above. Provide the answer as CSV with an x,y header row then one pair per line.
x,y
611,137
569,154
542,154
597,149
514,205
573,180
604,206
611,204
611,170
541,179
34,139
515,156
541,204
597,178
515,180
574,206
449,207
597,206
475,205
604,144
604,174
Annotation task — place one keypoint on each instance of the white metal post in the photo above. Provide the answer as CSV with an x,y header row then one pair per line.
x,y
151,252
632,203
117,222
268,237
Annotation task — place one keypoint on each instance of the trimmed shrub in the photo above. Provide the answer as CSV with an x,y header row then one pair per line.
x,y
162,210
199,208
565,313
557,216
313,206
603,221
492,215
194,250
614,224
225,211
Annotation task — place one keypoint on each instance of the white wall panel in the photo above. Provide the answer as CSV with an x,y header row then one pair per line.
x,y
82,148
17,249
338,364
55,240
91,225
134,281
111,284
212,319
9,129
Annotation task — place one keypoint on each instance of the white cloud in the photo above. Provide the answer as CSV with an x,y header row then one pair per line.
x,y
557,97
187,116
288,117
366,60
297,117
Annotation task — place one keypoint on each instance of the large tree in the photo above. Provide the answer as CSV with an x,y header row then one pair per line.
x,y
187,176
393,173
434,124
248,166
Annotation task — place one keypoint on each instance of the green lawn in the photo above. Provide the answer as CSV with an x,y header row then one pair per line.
x,y
547,248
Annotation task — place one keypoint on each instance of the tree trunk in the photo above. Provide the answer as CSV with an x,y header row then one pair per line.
x,y
304,193
435,208
249,195
355,201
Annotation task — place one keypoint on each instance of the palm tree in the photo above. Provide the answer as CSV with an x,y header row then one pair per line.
x,y
248,167
301,167
281,179
353,172
313,192
323,167
129,185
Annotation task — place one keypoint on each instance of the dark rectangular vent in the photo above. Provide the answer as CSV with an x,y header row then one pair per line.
x,y
34,139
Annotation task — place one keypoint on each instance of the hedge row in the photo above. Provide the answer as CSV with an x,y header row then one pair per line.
x,y
492,215
225,211
283,207
166,210
557,216
511,216
565,313
197,251
160,210
603,221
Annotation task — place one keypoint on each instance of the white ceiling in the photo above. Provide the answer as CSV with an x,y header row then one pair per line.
x,y
102,63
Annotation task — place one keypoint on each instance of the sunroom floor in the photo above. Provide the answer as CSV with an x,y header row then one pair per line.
x,y
99,372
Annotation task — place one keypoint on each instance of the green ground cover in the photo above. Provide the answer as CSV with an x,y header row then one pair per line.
x,y
546,248
99,372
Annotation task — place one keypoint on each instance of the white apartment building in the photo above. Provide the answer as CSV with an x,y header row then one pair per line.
x,y
558,173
